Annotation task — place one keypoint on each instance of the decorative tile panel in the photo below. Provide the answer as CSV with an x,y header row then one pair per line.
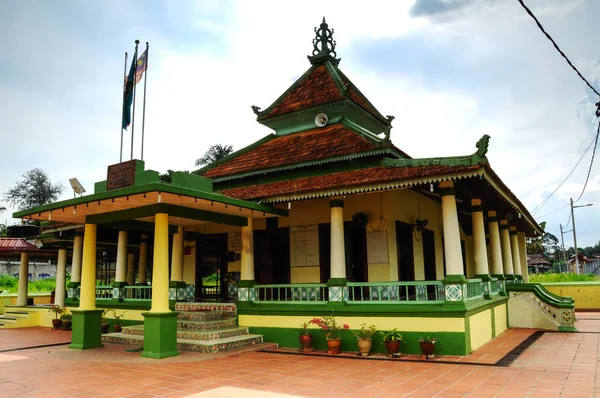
x,y
306,293
172,293
567,318
485,288
243,294
386,293
454,292
252,294
335,293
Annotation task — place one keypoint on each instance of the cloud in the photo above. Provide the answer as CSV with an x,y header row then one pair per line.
x,y
437,8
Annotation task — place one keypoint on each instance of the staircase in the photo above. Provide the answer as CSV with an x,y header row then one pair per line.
x,y
16,318
201,327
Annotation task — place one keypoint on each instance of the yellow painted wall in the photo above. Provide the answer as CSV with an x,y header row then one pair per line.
x,y
189,264
500,317
585,294
408,324
480,328
305,275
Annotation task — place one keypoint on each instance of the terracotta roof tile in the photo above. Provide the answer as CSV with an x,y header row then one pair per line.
x,y
316,89
309,145
342,179
16,244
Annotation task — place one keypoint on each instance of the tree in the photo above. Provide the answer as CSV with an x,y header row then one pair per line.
x,y
546,244
214,153
35,189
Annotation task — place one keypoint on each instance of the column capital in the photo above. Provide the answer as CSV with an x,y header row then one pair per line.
x,y
336,203
446,188
475,202
504,224
492,214
513,230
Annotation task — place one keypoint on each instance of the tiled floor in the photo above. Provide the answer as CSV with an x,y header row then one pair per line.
x,y
558,364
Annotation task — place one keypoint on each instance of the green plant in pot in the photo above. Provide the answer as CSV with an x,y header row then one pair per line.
x,y
427,346
57,310
392,339
117,320
364,337
104,323
305,338
66,321
332,332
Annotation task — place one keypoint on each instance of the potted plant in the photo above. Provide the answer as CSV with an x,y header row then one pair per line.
x,y
104,325
305,339
57,310
427,346
117,320
332,332
363,336
66,320
392,339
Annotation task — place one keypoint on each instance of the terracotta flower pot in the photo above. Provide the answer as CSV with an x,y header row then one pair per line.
x,y
427,348
104,327
364,347
56,324
392,347
333,346
117,328
66,325
306,343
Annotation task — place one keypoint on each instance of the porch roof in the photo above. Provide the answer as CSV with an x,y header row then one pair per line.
x,y
16,245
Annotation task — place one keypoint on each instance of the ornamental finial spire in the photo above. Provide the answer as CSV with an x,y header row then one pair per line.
x,y
323,45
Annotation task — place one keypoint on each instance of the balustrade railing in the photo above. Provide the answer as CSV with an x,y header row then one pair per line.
x,y
137,292
104,292
496,286
306,293
474,289
395,292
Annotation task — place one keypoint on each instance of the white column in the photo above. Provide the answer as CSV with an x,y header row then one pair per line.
x,y
479,247
131,269
495,249
142,270
121,271
338,249
23,279
452,246
177,257
514,246
76,260
247,260
523,255
506,250
61,269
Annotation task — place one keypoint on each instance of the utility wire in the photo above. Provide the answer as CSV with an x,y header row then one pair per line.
x,y
591,163
568,221
556,46
539,207
552,212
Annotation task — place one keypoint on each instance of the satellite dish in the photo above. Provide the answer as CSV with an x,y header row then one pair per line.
x,y
321,119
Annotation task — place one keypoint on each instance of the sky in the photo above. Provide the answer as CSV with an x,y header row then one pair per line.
x,y
450,71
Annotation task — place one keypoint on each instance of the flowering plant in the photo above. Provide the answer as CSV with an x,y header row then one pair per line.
x,y
328,323
365,332
304,330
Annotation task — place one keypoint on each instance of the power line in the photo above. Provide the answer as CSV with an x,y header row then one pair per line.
x,y
539,207
591,163
552,212
556,46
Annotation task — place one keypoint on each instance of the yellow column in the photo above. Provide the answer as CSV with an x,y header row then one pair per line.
x,y
247,260
495,249
160,270
514,246
523,255
121,271
23,279
61,270
76,260
338,249
87,298
142,270
479,247
452,246
177,257
506,251
131,269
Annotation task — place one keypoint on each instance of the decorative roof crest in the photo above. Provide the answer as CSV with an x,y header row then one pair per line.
x,y
323,45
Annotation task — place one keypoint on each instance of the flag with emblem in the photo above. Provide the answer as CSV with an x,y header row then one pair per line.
x,y
128,93
142,64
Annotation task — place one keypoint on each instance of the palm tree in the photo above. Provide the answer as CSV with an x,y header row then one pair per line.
x,y
214,153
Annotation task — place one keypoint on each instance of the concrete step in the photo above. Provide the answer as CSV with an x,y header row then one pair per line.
x,y
223,307
189,345
208,325
187,334
206,315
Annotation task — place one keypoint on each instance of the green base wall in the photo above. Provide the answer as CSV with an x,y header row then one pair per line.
x,y
86,328
160,335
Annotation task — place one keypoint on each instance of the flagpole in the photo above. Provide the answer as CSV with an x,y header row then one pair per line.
x,y
123,107
144,111
137,42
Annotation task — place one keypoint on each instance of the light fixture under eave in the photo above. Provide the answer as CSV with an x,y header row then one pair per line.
x,y
74,209
49,216
321,120
159,198
430,187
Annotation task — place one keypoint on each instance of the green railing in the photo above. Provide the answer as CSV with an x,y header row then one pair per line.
x,y
474,289
305,293
496,286
395,292
104,292
137,293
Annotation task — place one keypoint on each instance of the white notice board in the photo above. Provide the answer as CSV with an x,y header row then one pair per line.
x,y
377,247
304,246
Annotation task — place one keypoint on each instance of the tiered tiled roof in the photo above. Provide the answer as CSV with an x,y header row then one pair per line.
x,y
317,144
16,244
358,177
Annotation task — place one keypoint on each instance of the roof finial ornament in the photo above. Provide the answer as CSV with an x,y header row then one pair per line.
x,y
323,45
